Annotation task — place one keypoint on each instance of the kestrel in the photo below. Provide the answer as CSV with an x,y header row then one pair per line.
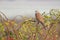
x,y
40,18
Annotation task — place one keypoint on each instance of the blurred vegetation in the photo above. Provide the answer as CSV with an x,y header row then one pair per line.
x,y
28,29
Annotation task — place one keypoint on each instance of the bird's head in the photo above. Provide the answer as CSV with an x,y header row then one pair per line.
x,y
37,13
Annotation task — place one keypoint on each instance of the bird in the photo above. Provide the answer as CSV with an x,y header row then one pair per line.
x,y
39,18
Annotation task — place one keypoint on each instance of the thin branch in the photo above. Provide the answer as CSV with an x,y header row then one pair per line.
x,y
51,25
43,25
4,15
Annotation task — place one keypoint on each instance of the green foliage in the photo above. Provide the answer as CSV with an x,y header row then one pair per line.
x,y
33,31
1,27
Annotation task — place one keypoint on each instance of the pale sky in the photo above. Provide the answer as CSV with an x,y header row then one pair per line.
x,y
27,7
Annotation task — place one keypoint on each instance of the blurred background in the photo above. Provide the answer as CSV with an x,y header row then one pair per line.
x,y
12,8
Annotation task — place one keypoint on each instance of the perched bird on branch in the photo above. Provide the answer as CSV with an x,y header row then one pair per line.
x,y
39,18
